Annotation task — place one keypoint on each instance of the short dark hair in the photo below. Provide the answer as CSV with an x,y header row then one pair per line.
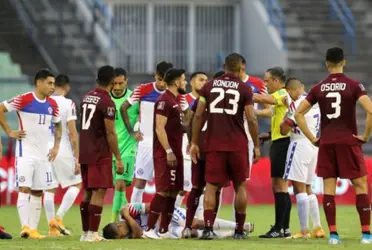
x,y
218,74
42,74
62,80
292,81
120,72
105,75
162,67
243,60
277,72
335,55
197,73
233,62
110,231
172,74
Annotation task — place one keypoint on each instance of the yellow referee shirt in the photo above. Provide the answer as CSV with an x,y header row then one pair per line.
x,y
278,112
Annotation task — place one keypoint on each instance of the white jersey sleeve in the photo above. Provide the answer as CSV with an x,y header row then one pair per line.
x,y
71,115
15,103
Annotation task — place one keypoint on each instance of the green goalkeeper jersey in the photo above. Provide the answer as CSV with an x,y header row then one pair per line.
x,y
127,144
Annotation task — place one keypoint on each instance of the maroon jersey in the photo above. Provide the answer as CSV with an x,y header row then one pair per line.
x,y
95,107
169,105
226,98
203,132
337,96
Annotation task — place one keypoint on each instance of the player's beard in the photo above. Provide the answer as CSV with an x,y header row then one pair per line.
x,y
181,91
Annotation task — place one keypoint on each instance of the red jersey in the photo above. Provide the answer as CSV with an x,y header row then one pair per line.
x,y
96,106
337,96
226,98
190,99
168,105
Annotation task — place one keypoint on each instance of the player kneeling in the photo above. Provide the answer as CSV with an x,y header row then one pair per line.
x,y
301,161
134,221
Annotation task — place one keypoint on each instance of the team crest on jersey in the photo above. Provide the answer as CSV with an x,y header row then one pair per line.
x,y
22,179
50,110
111,111
140,171
161,105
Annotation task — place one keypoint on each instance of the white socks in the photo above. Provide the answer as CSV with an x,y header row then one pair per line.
x,y
223,224
137,195
200,210
49,205
67,201
35,211
179,201
303,210
314,210
23,208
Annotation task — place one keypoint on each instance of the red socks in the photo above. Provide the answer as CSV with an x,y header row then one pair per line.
x,y
364,209
167,215
329,207
94,217
84,213
156,207
192,205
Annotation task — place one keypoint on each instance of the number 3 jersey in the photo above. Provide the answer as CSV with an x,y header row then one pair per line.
x,y
312,119
35,117
95,107
337,96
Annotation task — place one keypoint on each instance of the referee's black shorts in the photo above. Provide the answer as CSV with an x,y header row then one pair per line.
x,y
278,156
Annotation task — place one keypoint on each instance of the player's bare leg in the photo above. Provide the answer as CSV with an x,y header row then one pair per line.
x,y
240,205
95,210
318,231
329,207
363,207
67,202
50,212
181,195
84,213
23,208
209,211
120,199
35,213
138,189
192,205
303,209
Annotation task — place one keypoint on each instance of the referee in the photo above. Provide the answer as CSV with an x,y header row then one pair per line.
x,y
275,82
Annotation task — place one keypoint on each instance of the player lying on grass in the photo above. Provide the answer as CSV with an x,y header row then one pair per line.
x,y
134,220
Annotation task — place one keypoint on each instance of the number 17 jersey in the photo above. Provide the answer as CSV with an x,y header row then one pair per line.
x,y
337,96
226,98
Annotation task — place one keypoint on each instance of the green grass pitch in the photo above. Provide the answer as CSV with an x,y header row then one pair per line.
x,y
263,216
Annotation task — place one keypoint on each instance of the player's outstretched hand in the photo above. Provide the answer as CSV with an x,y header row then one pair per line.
x,y
171,160
53,154
137,135
257,154
119,167
361,138
17,134
315,142
194,153
77,167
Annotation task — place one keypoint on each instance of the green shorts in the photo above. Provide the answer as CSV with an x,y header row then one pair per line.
x,y
127,176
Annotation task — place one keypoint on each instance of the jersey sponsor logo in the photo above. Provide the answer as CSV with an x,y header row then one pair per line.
x,y
111,111
50,110
161,105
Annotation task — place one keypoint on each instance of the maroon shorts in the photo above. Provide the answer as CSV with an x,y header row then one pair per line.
x,y
97,175
198,174
167,178
344,161
222,167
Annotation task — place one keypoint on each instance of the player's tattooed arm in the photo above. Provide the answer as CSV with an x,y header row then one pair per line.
x,y
136,230
57,140
4,124
112,138
299,116
124,113
73,135
268,99
286,125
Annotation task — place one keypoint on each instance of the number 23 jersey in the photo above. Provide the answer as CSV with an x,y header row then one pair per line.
x,y
337,96
35,117
95,107
226,98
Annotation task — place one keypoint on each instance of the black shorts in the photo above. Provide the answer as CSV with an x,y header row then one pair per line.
x,y
278,156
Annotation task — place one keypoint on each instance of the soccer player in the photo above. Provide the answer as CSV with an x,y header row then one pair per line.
x,y
146,95
275,81
301,160
340,152
65,168
127,143
36,112
135,215
227,98
98,141
167,153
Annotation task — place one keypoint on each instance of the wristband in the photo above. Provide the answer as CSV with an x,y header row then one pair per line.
x,y
169,151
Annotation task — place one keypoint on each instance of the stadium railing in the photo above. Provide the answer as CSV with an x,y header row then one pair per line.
x,y
277,18
340,9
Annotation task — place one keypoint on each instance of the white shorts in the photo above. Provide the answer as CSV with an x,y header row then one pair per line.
x,y
144,165
187,184
301,162
63,169
250,157
33,173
